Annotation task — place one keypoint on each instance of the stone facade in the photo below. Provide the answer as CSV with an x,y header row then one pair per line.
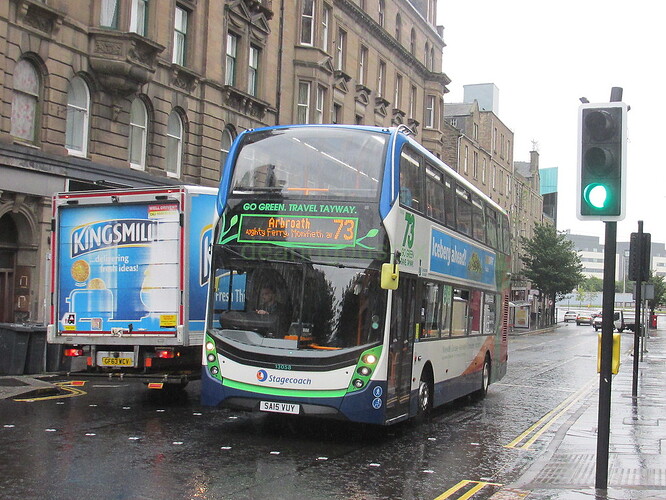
x,y
200,73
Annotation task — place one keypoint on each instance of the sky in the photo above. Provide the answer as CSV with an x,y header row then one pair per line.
x,y
544,56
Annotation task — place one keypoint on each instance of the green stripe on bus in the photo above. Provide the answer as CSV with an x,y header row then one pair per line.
x,y
273,391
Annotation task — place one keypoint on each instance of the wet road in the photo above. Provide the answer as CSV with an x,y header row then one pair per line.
x,y
114,440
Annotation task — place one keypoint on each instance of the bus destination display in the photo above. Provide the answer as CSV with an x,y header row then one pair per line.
x,y
312,230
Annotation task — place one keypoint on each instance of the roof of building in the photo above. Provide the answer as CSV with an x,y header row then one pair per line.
x,y
458,109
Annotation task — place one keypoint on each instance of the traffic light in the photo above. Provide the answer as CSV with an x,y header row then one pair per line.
x,y
602,144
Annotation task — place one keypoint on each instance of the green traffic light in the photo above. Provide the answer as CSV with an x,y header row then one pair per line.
x,y
596,195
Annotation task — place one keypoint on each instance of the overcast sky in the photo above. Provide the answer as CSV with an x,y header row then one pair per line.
x,y
544,56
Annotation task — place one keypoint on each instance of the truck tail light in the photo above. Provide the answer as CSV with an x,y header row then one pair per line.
x,y
73,352
165,353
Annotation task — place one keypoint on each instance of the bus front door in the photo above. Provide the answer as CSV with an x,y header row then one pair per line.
x,y
403,322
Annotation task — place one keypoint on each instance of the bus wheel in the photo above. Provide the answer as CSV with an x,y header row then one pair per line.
x,y
425,394
485,379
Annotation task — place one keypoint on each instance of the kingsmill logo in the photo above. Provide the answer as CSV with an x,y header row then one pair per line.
x,y
115,233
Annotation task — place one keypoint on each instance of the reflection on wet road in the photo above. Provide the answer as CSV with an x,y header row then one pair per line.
x,y
110,439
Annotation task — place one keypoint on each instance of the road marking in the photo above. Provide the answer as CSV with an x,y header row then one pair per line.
x,y
533,433
70,387
476,486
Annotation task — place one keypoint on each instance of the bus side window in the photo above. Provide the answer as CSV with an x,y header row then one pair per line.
x,y
447,299
431,304
411,194
475,311
491,227
459,319
464,211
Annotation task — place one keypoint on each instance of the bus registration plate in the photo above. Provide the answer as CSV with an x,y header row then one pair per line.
x,y
280,407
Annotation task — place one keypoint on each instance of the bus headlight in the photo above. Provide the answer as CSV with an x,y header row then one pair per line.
x,y
370,359
358,383
210,346
364,371
214,370
211,358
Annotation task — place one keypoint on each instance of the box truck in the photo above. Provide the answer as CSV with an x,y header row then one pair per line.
x,y
129,279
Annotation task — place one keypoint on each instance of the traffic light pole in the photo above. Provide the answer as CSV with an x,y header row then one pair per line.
x,y
605,375
637,320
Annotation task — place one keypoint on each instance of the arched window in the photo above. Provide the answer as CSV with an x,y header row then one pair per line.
x,y
174,150
398,27
78,108
225,146
138,134
25,102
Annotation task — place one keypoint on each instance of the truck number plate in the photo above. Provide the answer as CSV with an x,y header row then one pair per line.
x,y
117,361
273,407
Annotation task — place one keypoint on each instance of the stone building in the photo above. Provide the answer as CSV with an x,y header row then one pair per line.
x,y
127,93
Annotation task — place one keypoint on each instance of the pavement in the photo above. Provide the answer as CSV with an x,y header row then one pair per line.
x,y
567,469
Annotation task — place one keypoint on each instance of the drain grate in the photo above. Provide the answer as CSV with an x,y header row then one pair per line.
x,y
580,469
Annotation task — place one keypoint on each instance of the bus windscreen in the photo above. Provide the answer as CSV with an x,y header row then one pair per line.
x,y
300,162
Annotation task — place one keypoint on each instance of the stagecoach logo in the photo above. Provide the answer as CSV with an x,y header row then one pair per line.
x,y
263,376
116,233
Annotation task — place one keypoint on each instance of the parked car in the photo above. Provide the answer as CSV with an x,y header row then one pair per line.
x,y
570,316
584,318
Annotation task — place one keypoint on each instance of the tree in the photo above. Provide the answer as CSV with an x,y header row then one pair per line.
x,y
551,263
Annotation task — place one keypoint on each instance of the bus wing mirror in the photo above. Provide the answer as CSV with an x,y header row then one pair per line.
x,y
389,276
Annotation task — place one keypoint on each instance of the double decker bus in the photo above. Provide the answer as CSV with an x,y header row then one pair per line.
x,y
354,276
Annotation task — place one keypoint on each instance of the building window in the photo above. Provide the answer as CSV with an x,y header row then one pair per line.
x,y
466,160
412,102
430,112
475,165
25,101
78,108
340,50
475,131
180,36
484,167
138,17
108,16
253,71
381,79
325,25
225,146
307,22
138,134
303,111
362,65
428,63
232,54
397,91
381,14
319,105
412,42
337,113
174,150
398,28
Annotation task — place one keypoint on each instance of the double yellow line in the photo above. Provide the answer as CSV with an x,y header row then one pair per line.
x,y
70,387
527,438
476,487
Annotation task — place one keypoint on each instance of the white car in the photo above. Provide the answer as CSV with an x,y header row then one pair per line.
x,y
570,316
